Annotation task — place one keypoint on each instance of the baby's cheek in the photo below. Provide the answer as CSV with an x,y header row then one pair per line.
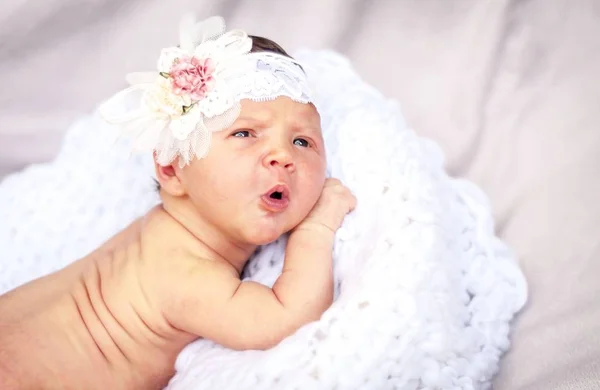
x,y
225,184
318,184
314,190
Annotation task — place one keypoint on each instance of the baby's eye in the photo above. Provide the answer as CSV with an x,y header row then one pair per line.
x,y
241,134
301,142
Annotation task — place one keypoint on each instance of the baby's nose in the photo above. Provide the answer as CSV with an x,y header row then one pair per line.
x,y
280,157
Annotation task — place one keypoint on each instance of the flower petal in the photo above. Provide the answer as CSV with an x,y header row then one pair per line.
x,y
224,120
209,49
161,99
182,126
124,106
168,57
201,32
200,144
209,66
225,50
236,43
209,29
147,139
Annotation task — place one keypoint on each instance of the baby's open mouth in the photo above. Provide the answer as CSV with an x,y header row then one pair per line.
x,y
276,199
276,195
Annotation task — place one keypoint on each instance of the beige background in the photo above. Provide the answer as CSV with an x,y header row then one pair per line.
x,y
510,89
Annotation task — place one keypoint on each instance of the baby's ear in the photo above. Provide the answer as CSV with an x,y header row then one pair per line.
x,y
168,179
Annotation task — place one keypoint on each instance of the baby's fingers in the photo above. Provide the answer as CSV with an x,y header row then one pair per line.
x,y
332,182
351,200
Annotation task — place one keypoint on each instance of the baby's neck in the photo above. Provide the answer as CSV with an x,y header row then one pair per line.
x,y
213,244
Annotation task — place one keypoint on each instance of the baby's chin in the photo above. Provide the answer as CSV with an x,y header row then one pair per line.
x,y
258,235
263,238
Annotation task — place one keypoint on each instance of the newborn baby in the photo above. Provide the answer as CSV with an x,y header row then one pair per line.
x,y
240,160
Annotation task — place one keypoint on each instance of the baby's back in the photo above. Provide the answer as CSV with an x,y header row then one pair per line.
x,y
94,324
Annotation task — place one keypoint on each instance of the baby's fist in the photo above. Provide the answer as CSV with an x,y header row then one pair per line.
x,y
335,202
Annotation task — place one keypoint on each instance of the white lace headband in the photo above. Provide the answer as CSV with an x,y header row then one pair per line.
x,y
197,90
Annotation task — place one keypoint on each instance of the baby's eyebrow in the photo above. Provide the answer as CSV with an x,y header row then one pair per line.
x,y
310,128
250,121
305,124
258,116
263,120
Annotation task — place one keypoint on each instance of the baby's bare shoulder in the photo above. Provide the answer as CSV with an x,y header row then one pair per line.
x,y
195,278
171,259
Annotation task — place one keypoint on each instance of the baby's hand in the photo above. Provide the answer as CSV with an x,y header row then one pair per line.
x,y
335,202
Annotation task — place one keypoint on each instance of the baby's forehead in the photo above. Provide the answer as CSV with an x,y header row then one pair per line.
x,y
280,108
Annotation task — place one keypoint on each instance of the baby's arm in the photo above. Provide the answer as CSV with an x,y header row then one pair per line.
x,y
216,305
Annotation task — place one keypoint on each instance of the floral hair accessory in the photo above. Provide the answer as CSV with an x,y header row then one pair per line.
x,y
197,90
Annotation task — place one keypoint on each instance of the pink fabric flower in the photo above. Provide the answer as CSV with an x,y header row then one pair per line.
x,y
193,77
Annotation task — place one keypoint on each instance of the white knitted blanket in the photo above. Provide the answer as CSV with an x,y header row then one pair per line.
x,y
425,291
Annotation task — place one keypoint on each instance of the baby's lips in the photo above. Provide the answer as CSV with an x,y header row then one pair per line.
x,y
279,188
274,204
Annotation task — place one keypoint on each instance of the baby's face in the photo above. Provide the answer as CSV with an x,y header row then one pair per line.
x,y
264,174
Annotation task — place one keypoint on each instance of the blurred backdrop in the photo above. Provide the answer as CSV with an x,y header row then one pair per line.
x,y
59,58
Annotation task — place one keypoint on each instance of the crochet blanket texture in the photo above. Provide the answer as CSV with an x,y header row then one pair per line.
x,y
425,291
